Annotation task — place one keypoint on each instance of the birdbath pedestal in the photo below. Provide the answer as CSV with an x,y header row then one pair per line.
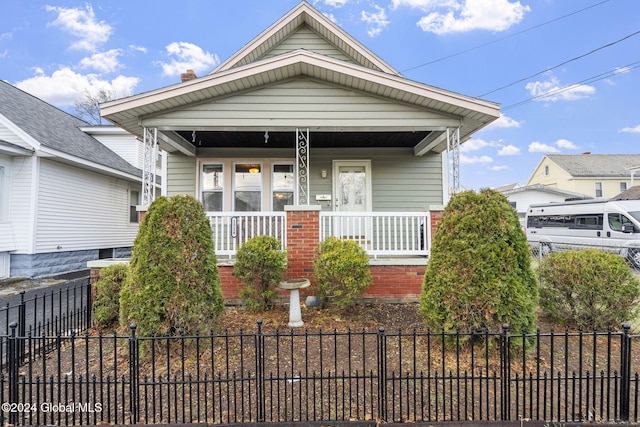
x,y
293,285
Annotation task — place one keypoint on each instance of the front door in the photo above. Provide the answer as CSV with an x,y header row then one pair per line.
x,y
352,195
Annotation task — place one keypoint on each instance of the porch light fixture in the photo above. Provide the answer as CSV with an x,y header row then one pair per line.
x,y
266,136
254,169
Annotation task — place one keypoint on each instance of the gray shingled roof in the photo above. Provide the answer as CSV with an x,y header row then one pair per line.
x,y
56,129
596,165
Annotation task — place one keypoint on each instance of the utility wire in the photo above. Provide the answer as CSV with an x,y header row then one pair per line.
x,y
561,64
566,88
503,38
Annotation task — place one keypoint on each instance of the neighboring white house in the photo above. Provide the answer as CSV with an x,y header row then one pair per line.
x,y
521,197
65,198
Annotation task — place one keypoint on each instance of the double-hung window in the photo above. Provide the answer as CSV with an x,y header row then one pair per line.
x,y
282,185
247,187
212,184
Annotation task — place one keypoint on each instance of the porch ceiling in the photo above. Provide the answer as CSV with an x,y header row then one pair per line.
x,y
220,139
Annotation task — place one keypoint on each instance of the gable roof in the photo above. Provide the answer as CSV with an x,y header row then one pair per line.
x,y
542,188
304,15
596,165
259,64
56,133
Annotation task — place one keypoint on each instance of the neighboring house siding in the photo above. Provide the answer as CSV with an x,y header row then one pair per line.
x,y
81,210
126,146
22,208
610,186
306,102
181,176
10,136
306,38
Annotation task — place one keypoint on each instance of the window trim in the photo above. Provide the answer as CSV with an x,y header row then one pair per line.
x,y
596,185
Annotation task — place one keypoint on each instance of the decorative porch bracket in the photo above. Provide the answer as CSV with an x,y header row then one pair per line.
x,y
149,156
302,159
453,151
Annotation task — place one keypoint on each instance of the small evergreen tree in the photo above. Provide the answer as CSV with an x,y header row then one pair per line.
x,y
106,308
479,274
260,265
173,283
341,269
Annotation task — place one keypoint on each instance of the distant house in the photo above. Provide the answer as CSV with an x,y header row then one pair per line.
x,y
595,175
521,197
304,133
65,198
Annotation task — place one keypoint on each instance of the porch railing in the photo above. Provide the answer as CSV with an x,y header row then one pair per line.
x,y
231,229
381,233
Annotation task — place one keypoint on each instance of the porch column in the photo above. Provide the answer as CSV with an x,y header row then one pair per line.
x,y
149,156
303,236
453,150
302,159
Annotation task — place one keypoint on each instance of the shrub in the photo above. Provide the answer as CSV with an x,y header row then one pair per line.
x,y
479,274
173,283
260,265
107,304
342,272
588,288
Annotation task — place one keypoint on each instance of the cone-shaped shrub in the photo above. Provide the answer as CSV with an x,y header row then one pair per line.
x,y
479,274
173,285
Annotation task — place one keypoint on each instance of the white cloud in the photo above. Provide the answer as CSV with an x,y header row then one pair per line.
x,y
138,48
105,62
503,122
564,143
82,24
4,53
635,129
551,90
469,160
377,21
539,147
187,56
467,15
509,150
335,3
499,168
64,86
473,144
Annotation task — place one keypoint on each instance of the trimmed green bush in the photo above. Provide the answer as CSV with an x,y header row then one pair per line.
x,y
173,285
107,304
588,288
260,265
342,272
479,274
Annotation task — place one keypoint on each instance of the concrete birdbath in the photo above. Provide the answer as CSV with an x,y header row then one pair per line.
x,y
293,285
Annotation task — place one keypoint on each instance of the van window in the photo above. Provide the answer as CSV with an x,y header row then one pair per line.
x,y
617,221
590,222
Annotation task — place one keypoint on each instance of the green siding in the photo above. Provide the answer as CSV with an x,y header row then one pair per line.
x,y
306,38
181,175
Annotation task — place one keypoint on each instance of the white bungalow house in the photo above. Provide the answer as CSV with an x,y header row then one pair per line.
x,y
65,198
305,133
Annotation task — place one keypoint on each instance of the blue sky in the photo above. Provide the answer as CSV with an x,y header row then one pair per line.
x,y
565,72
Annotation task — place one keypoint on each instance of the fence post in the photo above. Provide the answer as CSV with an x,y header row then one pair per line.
x,y
134,374
625,373
22,325
260,397
89,304
505,374
14,363
382,375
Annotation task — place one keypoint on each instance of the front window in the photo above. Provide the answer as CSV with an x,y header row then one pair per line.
x,y
212,183
134,200
282,186
247,192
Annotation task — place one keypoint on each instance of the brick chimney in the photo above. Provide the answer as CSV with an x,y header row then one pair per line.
x,y
189,75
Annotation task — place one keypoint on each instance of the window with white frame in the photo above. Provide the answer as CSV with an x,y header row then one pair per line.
x,y
134,201
546,170
212,185
247,187
282,186
623,185
598,189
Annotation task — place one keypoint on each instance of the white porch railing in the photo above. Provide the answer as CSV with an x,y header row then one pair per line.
x,y
231,229
381,233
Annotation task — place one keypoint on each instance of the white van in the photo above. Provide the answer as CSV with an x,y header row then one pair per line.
x,y
611,225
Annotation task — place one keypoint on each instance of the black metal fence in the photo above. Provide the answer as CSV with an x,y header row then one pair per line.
x,y
278,376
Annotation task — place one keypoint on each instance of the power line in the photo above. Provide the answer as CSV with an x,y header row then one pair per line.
x,y
561,64
566,88
503,38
